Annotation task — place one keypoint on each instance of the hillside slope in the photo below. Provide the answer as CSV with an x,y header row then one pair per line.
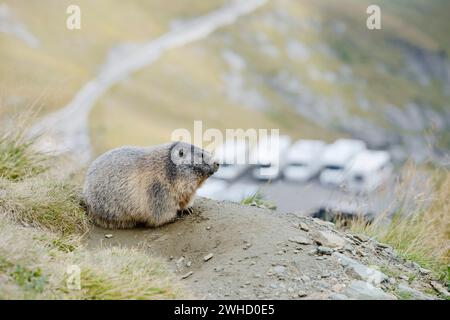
x,y
229,251
310,68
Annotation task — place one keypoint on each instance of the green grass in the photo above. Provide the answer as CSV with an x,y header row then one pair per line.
x,y
32,196
29,279
18,160
257,200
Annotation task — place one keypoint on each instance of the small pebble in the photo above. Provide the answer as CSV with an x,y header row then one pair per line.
x,y
208,257
187,275
302,294
303,226
108,236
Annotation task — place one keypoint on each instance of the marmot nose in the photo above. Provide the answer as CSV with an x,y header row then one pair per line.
x,y
215,165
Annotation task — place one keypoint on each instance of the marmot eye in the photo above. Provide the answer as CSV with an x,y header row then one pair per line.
x,y
181,152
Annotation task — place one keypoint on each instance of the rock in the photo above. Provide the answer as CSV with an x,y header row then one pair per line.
x,y
218,268
360,271
247,245
301,294
361,237
301,240
382,245
338,296
187,275
305,278
324,250
303,226
179,261
361,290
392,280
411,294
424,271
439,288
208,257
279,269
338,287
328,239
188,264
348,247
108,236
324,223
360,253
404,277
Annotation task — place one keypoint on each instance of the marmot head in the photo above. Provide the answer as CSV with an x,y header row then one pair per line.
x,y
187,160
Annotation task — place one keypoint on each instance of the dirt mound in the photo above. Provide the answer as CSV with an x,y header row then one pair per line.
x,y
229,251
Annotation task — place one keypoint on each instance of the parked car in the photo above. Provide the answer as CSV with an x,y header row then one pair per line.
x,y
303,160
234,159
368,171
336,157
269,157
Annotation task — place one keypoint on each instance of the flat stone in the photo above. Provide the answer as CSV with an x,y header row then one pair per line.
x,y
108,236
360,271
187,275
279,269
301,240
324,250
302,294
208,257
412,294
328,239
424,271
303,226
361,237
439,288
338,296
361,290
305,278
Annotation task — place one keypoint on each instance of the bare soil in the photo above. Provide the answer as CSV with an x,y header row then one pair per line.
x,y
256,254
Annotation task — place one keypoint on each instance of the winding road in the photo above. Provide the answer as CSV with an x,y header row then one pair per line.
x,y
67,130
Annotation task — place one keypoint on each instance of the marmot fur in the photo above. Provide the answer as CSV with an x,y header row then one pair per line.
x,y
131,186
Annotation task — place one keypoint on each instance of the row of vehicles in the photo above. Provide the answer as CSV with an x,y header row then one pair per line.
x,y
346,162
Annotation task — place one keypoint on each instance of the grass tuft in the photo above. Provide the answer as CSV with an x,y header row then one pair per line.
x,y
18,159
419,233
32,268
257,200
45,203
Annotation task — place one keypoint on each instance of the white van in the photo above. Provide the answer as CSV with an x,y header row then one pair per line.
x,y
233,157
368,171
269,157
336,158
303,160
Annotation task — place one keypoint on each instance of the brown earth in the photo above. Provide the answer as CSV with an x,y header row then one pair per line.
x,y
259,253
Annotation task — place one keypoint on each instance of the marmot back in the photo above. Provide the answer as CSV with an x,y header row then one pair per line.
x,y
128,186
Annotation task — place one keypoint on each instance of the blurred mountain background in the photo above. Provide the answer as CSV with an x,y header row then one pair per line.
x,y
310,68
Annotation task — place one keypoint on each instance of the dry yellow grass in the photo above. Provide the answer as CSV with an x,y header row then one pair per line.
x,y
33,267
420,232
42,223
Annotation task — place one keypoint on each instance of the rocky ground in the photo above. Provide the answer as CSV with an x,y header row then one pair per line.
x,y
229,251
